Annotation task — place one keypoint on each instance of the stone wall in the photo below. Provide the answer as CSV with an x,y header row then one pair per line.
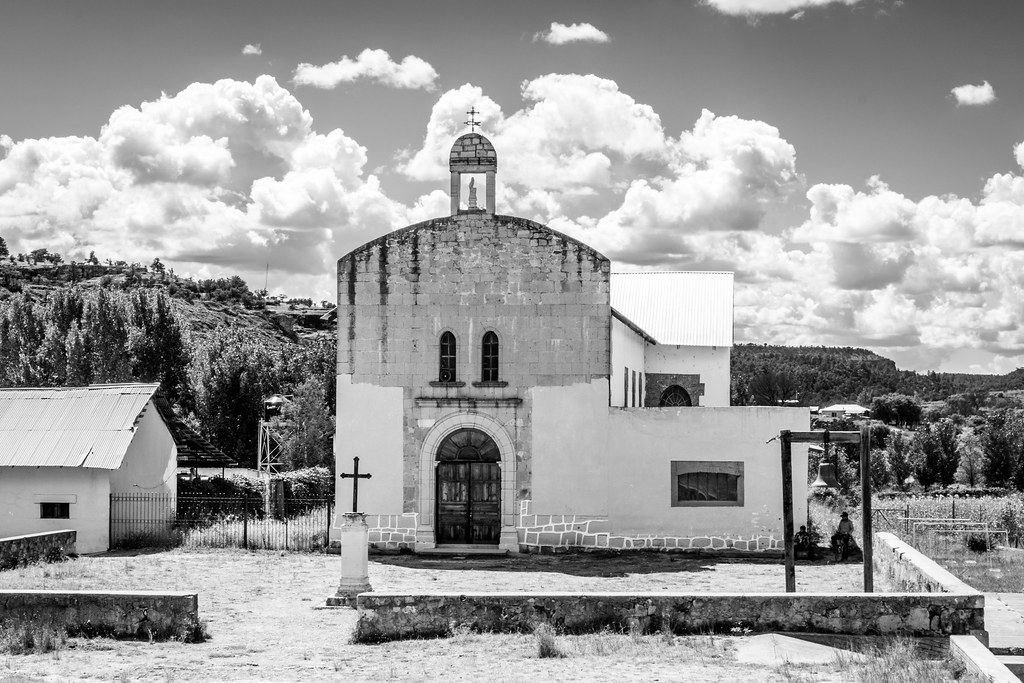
x,y
908,569
120,614
658,382
392,616
21,550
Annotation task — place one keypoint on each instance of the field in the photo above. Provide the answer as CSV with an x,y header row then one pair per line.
x,y
264,612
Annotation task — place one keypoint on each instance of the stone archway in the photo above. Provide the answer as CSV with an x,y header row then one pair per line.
x,y
426,536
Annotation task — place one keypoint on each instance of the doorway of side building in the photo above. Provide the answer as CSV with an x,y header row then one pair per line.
x,y
468,489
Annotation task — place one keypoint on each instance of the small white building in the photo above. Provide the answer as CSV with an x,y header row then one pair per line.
x,y
64,451
844,410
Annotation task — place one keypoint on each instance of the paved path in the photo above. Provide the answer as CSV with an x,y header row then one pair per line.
x,y
1004,621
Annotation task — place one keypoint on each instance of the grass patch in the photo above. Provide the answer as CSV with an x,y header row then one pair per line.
x,y
547,644
897,661
23,637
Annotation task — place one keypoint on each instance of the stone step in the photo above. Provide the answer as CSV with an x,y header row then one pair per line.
x,y
463,550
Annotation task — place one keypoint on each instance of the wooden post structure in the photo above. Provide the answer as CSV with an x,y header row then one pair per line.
x,y
865,489
787,509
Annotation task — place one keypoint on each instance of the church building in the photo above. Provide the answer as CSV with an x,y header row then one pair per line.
x,y
507,390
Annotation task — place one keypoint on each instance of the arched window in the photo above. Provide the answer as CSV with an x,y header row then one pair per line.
x,y
675,395
490,358
447,369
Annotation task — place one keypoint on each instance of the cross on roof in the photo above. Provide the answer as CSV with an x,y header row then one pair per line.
x,y
355,477
472,123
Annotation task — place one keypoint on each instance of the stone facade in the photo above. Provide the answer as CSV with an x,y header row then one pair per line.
x,y
543,294
393,616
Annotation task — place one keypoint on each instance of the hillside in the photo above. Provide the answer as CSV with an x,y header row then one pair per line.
x,y
202,306
823,375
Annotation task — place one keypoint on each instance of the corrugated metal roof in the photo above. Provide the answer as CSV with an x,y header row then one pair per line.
x,y
684,308
70,427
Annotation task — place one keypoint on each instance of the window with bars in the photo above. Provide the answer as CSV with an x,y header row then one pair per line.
x,y
447,365
490,358
707,483
54,511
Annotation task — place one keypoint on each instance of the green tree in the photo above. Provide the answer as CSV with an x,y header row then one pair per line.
x,y
1000,441
306,428
972,458
4,252
897,453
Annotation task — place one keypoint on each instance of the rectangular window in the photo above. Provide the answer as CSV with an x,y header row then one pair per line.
x,y
704,483
633,392
625,389
55,511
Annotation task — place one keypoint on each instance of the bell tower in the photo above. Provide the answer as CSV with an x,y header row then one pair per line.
x,y
473,153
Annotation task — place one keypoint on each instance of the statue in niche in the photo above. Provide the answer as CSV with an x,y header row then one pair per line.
x,y
472,193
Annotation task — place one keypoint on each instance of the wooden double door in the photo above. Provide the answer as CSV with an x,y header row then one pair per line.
x,y
468,490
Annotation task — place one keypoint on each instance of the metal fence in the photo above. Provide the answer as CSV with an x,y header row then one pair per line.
x,y
140,520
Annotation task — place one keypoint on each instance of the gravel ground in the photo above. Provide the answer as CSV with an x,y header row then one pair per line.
x,y
266,619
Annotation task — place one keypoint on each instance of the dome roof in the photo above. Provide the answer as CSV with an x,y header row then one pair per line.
x,y
473,153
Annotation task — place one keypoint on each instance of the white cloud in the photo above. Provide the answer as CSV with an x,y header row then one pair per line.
x,y
375,65
759,7
252,49
219,178
560,34
973,95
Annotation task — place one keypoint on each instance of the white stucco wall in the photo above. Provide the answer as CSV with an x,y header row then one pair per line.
x,y
369,425
616,463
22,489
627,352
150,464
711,363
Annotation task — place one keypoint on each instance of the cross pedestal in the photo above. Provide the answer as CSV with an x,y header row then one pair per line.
x,y
354,576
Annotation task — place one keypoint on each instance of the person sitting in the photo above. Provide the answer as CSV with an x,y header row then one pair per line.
x,y
844,535
803,542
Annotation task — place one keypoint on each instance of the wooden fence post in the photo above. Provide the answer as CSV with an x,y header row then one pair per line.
x,y
787,509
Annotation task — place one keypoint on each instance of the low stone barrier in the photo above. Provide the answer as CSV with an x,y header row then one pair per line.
x,y
393,616
18,551
119,614
909,569
978,661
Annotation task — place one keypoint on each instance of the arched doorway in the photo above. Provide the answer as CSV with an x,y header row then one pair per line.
x,y
675,395
468,489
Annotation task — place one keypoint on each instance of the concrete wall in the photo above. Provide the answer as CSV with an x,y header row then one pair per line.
x,y
710,363
392,616
614,465
627,352
906,568
121,614
370,425
22,550
150,464
22,489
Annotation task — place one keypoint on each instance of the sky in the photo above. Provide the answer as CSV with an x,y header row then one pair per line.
x,y
859,164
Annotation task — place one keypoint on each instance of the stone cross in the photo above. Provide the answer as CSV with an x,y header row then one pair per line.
x,y
355,477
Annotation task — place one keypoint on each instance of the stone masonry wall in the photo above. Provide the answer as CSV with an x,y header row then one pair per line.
x,y
392,616
22,550
553,533
658,382
119,614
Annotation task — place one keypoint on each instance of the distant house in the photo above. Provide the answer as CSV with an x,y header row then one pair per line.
x,y
844,410
64,451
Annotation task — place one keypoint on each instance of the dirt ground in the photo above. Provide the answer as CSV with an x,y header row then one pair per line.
x,y
267,621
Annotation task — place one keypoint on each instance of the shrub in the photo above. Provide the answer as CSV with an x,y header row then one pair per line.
x,y
547,645
19,637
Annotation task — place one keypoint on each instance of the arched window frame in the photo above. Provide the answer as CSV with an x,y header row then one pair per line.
x,y
490,357
447,354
